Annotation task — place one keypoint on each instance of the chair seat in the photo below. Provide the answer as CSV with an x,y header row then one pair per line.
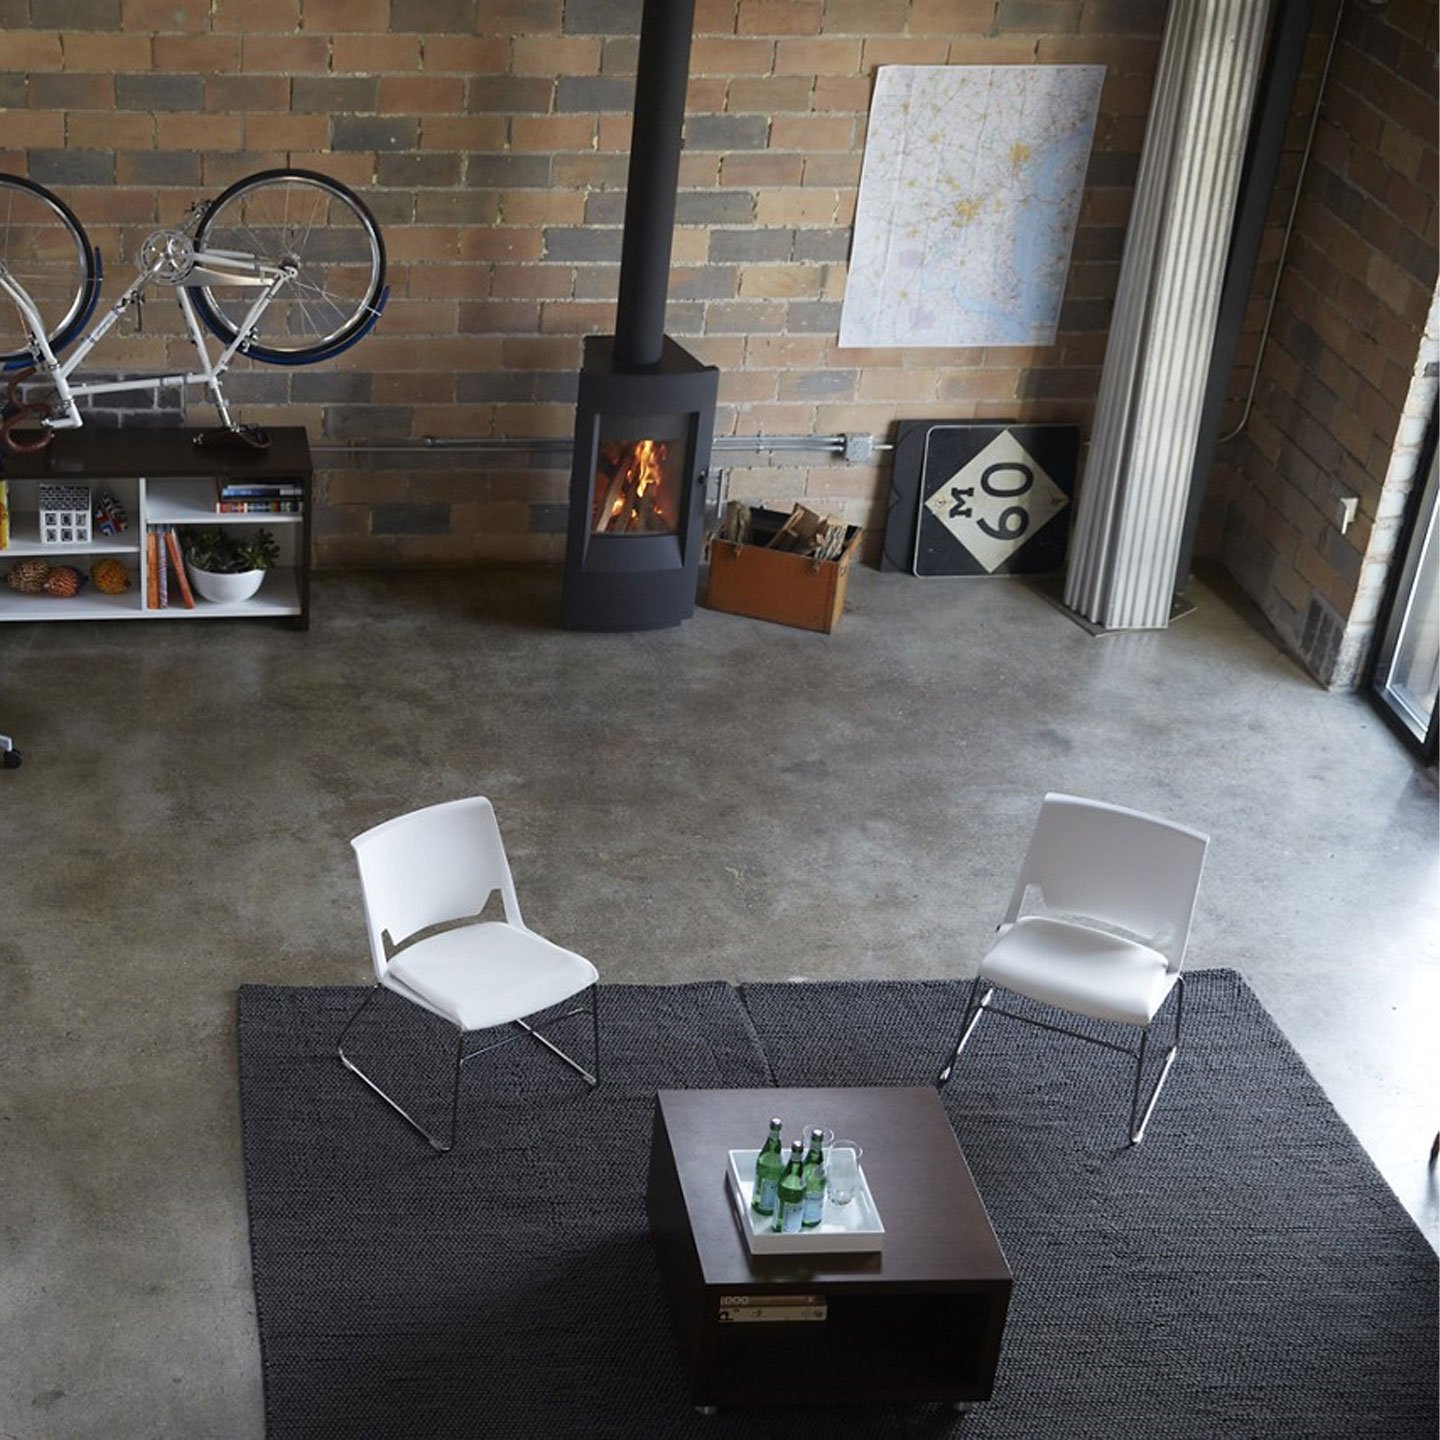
x,y
1077,968
488,974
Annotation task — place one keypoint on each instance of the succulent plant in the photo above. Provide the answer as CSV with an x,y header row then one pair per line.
x,y
224,551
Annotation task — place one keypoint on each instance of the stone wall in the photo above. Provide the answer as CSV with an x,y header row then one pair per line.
x,y
490,137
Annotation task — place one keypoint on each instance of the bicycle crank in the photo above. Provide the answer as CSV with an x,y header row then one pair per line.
x,y
168,256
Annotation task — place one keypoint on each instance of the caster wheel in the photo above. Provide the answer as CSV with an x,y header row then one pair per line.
x,y
12,759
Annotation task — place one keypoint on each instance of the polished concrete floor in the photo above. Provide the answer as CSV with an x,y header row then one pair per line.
x,y
727,799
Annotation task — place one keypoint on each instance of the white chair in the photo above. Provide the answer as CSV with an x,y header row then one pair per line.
x,y
1103,869
433,871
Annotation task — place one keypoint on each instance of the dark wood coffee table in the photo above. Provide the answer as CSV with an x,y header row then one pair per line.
x,y
920,1320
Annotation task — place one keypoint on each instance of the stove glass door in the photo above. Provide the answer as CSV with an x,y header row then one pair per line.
x,y
639,476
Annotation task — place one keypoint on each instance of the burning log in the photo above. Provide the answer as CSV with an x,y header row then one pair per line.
x,y
633,499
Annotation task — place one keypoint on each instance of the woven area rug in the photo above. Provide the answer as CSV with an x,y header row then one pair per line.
x,y
1245,1272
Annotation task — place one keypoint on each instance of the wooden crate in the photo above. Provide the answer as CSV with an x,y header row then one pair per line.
x,y
771,585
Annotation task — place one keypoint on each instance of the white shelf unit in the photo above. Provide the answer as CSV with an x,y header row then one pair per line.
x,y
126,466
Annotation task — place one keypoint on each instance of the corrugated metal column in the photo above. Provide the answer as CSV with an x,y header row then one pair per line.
x,y
1131,513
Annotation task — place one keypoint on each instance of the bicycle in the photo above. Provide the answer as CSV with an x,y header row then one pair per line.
x,y
308,245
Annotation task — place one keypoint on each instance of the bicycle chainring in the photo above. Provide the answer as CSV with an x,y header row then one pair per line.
x,y
168,255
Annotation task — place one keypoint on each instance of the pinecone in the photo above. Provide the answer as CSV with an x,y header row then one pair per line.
x,y
110,577
29,576
63,581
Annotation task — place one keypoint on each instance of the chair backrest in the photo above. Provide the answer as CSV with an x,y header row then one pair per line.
x,y
1133,871
429,867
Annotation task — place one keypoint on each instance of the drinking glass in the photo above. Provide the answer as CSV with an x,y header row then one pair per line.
x,y
842,1173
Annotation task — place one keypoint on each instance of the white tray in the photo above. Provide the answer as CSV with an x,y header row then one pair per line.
x,y
855,1226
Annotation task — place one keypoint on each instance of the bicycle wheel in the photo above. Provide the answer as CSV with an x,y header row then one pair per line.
x,y
298,218
45,251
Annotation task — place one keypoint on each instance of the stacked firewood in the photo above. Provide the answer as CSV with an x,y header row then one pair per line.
x,y
817,537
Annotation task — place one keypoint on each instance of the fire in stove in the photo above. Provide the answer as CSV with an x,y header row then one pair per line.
x,y
635,488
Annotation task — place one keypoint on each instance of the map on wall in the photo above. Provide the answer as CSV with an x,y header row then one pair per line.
x,y
969,195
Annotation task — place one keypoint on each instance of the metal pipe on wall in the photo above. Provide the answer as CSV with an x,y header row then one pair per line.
x,y
541,445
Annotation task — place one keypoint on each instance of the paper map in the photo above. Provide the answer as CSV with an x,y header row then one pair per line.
x,y
969,195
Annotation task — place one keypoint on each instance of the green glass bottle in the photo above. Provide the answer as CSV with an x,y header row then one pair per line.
x,y
769,1166
814,1181
790,1194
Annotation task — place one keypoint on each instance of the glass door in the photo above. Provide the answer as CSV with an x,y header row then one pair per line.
x,y
1407,661
638,483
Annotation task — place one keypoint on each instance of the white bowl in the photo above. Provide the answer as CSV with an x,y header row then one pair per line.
x,y
224,589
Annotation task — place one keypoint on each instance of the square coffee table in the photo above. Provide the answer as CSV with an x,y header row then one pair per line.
x,y
919,1321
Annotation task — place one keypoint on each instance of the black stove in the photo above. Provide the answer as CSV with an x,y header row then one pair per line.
x,y
646,410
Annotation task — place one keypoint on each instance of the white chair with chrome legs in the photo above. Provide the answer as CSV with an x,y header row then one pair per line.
x,y
1099,869
433,871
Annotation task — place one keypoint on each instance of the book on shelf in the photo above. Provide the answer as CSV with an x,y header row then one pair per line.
x,y
281,490
152,569
177,568
165,569
257,507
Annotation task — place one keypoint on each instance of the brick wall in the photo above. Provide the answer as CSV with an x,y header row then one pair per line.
x,y
1346,384
490,137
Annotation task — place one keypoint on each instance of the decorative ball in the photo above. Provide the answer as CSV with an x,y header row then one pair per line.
x,y
29,576
110,577
63,581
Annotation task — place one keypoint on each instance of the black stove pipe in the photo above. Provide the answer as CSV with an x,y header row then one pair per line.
x,y
662,74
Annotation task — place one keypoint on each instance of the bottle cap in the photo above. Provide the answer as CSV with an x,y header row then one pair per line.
x,y
777,1123
797,1146
817,1133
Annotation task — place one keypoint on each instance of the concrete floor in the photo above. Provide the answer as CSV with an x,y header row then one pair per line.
x,y
726,799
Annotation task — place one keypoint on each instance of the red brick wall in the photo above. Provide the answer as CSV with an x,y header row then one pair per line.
x,y
491,140
1339,409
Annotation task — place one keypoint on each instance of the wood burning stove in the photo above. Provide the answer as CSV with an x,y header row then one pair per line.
x,y
646,410
642,450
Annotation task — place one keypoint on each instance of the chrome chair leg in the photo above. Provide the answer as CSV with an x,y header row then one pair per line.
x,y
1137,1135
590,1079
461,1058
444,1147
969,1019
973,1012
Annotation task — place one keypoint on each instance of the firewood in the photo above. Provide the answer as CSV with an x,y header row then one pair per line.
x,y
608,515
736,526
783,538
831,541
798,532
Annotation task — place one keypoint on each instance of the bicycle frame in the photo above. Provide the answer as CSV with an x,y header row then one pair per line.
x,y
169,258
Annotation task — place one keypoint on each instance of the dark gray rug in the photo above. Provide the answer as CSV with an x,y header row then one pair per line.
x,y
1245,1272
